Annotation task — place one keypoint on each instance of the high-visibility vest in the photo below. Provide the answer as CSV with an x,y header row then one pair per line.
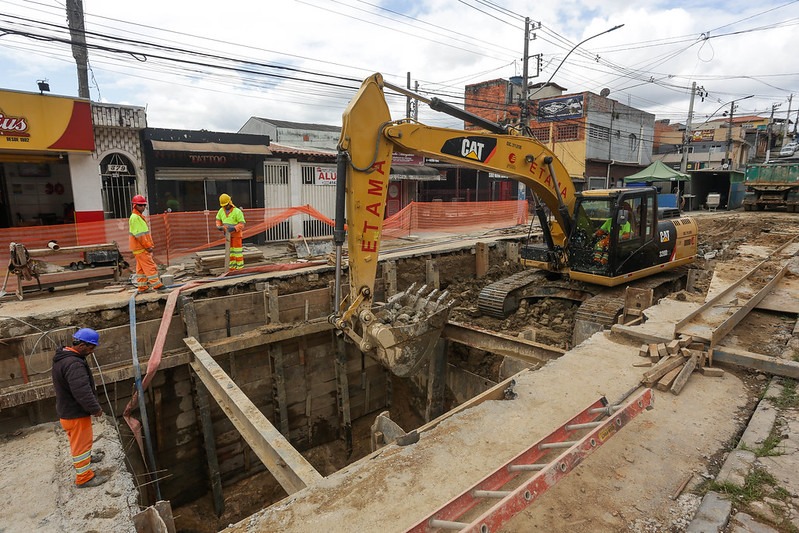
x,y
139,239
234,218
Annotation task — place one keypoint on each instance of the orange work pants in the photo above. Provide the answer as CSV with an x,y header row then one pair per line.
x,y
79,433
146,272
236,261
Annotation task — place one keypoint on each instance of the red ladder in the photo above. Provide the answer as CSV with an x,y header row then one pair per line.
x,y
520,481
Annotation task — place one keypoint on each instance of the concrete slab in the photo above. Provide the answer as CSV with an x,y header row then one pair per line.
x,y
712,516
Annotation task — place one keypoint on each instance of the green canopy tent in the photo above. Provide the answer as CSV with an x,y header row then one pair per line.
x,y
657,171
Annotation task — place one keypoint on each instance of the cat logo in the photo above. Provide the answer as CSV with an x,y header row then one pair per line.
x,y
474,148
664,236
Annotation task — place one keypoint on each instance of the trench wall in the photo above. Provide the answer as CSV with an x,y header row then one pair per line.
x,y
304,365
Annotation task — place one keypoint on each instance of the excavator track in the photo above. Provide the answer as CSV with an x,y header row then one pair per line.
x,y
600,307
501,298
604,308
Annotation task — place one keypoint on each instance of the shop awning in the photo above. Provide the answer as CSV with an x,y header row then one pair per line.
x,y
415,173
178,146
200,174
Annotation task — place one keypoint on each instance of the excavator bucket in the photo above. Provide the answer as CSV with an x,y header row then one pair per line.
x,y
406,328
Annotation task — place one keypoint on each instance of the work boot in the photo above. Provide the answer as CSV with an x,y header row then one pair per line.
x,y
98,479
97,456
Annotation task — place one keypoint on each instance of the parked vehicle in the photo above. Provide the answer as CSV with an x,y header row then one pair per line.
x,y
789,149
771,185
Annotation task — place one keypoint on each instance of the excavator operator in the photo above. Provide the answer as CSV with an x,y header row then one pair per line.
x,y
603,234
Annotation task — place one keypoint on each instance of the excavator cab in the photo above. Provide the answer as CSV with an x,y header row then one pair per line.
x,y
619,235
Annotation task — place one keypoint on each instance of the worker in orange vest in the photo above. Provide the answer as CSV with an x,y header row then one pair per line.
x,y
76,402
141,244
230,219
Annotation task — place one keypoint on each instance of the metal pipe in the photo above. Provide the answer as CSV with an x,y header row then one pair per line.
x,y
339,232
142,405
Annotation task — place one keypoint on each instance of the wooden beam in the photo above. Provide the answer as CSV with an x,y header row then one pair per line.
x,y
204,411
40,389
436,381
431,274
481,259
279,388
726,326
286,464
685,373
764,363
497,343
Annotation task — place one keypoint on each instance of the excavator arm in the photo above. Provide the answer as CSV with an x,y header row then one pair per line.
x,y
402,333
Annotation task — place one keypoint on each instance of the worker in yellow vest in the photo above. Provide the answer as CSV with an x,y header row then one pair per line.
x,y
141,244
230,219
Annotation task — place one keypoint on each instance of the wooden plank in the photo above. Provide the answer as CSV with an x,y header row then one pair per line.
x,y
711,372
286,464
685,373
661,369
673,347
665,382
721,331
431,274
481,259
764,363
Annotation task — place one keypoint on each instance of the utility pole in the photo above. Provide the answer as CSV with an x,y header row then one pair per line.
x,y
525,74
408,99
524,116
787,122
686,138
77,31
768,132
729,137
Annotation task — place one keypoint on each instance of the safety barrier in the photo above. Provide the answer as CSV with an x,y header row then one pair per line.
x,y
180,234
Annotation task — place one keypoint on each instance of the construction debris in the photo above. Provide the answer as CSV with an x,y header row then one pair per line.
x,y
209,260
672,370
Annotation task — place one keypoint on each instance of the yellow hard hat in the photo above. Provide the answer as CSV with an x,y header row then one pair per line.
x,y
224,199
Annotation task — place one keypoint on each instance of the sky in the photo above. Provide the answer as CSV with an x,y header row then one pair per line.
x,y
212,65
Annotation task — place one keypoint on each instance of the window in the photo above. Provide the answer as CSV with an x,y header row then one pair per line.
x,y
566,132
541,134
599,133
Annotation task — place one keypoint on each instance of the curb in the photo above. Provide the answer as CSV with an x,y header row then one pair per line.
x,y
714,511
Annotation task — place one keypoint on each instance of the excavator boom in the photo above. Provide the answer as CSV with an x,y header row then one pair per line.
x,y
402,333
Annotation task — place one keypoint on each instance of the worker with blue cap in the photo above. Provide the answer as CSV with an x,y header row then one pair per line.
x,y
76,402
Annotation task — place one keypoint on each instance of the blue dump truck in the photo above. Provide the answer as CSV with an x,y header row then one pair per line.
x,y
771,186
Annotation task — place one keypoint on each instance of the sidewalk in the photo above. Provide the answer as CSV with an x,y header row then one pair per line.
x,y
757,481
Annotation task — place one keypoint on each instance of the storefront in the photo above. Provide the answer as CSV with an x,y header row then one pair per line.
x,y
188,170
48,174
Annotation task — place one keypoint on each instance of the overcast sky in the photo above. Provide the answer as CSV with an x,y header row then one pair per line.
x,y
212,65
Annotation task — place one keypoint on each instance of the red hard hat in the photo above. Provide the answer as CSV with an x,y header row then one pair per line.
x,y
139,199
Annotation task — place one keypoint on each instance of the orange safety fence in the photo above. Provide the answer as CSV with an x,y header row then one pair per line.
x,y
180,234
454,217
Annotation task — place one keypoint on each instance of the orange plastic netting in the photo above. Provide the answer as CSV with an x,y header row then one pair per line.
x,y
179,234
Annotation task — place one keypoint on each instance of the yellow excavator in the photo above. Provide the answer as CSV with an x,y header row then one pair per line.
x,y
600,237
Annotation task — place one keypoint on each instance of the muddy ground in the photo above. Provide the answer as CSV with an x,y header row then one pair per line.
x,y
721,235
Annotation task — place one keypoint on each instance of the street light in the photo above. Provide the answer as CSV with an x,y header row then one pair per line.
x,y
575,47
